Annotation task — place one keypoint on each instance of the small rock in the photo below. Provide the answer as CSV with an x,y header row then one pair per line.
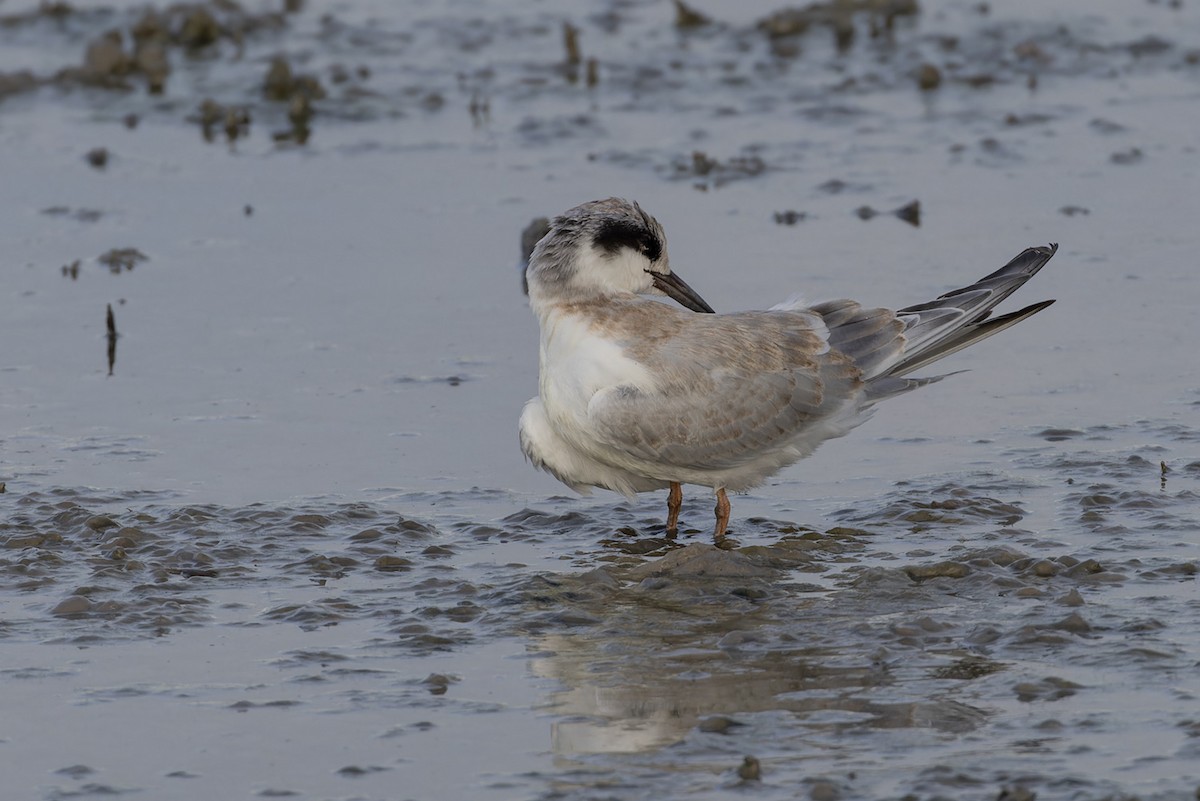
x,y
98,157
1085,568
278,84
687,17
237,123
929,77
940,570
1073,623
571,43
735,639
790,217
200,29
789,21
75,771
910,213
599,578
356,771
1072,598
438,683
1044,569
100,522
968,668
151,60
824,791
72,605
718,724
1050,688
119,259
642,546
150,28
1124,157
209,114
106,58
300,111
750,770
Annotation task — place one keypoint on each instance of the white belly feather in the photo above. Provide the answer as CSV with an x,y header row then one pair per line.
x,y
576,363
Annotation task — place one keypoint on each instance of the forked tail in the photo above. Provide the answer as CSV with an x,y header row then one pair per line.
x,y
890,345
962,317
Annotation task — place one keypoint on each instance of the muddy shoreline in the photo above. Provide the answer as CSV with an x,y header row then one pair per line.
x,y
265,528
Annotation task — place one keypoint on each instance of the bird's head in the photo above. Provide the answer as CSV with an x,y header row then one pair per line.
x,y
605,248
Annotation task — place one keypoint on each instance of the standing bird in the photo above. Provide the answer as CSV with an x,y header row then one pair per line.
x,y
636,395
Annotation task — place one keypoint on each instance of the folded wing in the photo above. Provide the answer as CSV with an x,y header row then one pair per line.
x,y
731,388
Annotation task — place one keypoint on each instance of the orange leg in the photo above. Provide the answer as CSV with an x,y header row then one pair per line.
x,y
722,511
674,501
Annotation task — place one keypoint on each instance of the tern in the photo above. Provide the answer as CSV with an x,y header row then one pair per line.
x,y
636,395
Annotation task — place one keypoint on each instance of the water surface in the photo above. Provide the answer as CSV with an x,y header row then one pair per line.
x,y
289,545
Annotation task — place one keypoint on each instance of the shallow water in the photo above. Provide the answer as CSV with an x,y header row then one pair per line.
x,y
289,546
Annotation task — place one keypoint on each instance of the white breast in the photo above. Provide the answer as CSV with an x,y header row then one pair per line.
x,y
576,363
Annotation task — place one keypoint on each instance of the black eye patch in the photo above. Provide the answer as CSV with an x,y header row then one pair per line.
x,y
616,234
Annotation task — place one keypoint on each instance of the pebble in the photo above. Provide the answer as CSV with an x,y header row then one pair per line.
x,y
940,570
99,522
929,77
151,58
392,563
1085,568
106,56
437,683
1073,623
72,605
98,157
200,29
750,770
1044,568
1072,598
718,724
824,791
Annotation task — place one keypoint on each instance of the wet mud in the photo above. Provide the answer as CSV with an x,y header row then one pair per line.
x,y
286,546
939,644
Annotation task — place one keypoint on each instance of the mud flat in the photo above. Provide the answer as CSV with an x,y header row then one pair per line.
x,y
264,525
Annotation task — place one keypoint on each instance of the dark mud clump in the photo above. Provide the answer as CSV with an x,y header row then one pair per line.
x,y
910,213
120,260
